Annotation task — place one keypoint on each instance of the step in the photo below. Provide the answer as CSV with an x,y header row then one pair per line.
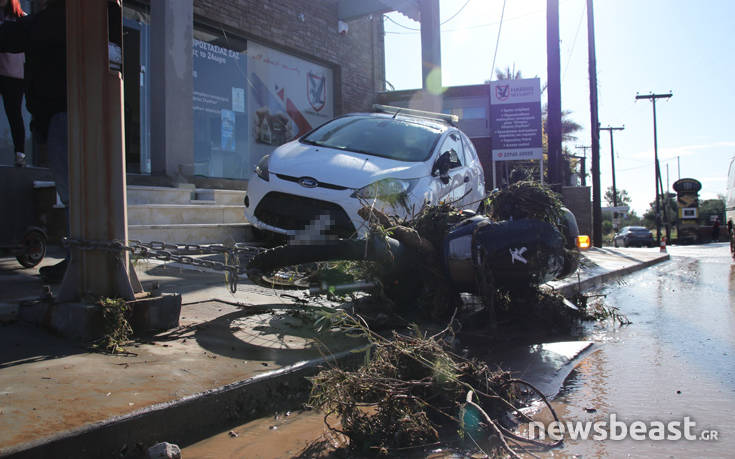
x,y
141,194
196,233
138,194
224,197
162,214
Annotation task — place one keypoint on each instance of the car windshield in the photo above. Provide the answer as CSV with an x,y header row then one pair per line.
x,y
638,229
398,139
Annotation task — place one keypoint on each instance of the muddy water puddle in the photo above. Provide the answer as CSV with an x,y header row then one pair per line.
x,y
281,436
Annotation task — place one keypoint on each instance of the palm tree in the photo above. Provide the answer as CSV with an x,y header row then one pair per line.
x,y
508,74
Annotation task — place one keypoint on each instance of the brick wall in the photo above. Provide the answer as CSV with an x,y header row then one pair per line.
x,y
357,57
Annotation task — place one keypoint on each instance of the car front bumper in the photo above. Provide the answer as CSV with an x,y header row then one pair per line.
x,y
286,207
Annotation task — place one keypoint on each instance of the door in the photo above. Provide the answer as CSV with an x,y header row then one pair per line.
x,y
137,97
453,192
476,185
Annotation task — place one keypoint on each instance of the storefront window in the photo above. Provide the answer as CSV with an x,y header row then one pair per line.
x,y
247,100
288,96
136,85
220,108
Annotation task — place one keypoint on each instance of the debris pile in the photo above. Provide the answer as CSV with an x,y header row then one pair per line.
x,y
410,390
414,392
526,200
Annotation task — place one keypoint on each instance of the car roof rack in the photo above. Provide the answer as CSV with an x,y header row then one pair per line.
x,y
445,117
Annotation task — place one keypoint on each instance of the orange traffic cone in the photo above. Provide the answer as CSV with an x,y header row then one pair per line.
x,y
662,249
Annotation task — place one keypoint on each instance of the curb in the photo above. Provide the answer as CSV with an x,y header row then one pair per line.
x,y
187,420
574,288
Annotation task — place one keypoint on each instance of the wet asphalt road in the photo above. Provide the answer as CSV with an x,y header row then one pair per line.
x,y
676,359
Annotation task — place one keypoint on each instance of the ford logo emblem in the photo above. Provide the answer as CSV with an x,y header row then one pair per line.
x,y
308,182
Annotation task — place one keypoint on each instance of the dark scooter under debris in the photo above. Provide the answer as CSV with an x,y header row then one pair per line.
x,y
476,255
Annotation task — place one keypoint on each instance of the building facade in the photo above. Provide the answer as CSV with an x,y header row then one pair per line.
x,y
262,73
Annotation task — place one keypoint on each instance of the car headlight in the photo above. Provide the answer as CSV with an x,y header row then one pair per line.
x,y
385,189
261,170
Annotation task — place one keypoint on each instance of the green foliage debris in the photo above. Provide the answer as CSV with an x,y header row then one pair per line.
x,y
117,330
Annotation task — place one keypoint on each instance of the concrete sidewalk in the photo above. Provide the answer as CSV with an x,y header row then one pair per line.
x,y
600,265
233,358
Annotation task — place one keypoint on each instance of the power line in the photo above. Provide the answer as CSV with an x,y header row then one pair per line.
x,y
497,45
399,24
419,30
476,26
574,43
455,14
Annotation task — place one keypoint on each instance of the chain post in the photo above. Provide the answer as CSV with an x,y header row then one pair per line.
x,y
164,251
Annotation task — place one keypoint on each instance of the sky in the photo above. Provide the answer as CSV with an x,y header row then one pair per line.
x,y
642,46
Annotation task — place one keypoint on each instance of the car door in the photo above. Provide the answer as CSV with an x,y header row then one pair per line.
x,y
475,188
453,191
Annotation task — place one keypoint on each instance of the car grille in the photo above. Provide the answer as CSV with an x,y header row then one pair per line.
x,y
329,186
291,212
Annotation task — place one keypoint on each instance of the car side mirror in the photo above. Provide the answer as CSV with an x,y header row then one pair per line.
x,y
441,167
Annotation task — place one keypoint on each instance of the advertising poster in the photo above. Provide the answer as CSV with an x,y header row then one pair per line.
x,y
287,97
228,130
220,115
515,116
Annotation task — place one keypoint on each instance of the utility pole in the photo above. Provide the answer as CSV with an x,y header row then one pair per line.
x,y
583,159
657,179
581,167
98,209
595,128
431,58
678,168
610,129
554,93
664,202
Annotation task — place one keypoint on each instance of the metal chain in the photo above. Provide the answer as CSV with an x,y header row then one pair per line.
x,y
177,253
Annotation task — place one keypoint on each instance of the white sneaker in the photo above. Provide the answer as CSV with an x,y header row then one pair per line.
x,y
20,159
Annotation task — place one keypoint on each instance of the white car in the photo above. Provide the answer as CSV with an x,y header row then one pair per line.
x,y
397,162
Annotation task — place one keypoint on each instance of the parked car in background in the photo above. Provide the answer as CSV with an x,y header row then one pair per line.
x,y
634,236
397,160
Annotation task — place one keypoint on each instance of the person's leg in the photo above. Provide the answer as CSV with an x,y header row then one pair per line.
x,y
12,92
13,99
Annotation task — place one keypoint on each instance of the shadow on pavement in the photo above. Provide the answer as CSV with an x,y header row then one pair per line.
x,y
23,343
281,333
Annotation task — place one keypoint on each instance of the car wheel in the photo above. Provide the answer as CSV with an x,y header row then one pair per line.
x,y
34,243
626,244
615,243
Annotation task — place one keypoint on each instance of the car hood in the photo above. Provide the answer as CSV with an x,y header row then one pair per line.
x,y
339,167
